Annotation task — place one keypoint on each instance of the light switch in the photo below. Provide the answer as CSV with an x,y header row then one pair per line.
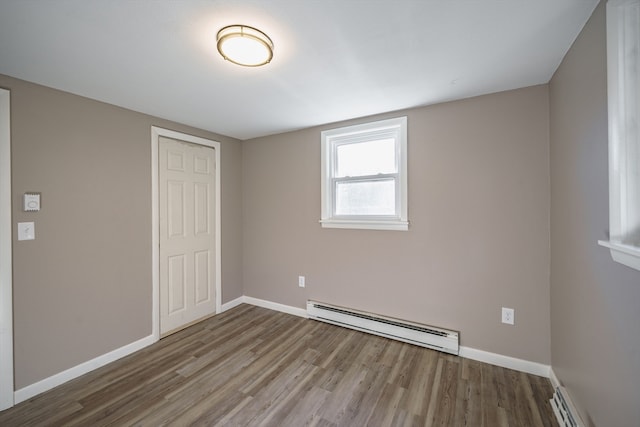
x,y
26,231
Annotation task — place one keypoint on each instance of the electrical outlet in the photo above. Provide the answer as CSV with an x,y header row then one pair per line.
x,y
301,281
508,315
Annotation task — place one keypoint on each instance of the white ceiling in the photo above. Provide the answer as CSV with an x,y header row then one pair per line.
x,y
334,59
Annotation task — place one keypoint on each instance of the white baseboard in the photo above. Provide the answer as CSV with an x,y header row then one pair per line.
x,y
55,380
231,304
503,361
468,352
555,382
275,306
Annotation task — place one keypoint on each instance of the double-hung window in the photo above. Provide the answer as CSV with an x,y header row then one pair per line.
x,y
364,176
623,73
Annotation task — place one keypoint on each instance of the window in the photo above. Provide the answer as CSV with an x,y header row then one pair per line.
x,y
364,176
623,71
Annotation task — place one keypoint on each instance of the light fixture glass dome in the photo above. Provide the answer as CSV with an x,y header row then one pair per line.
x,y
244,45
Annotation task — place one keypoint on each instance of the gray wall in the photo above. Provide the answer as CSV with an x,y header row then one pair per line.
x,y
479,225
83,287
595,302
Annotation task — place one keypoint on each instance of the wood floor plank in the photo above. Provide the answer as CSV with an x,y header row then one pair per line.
x,y
446,407
251,366
469,411
305,412
433,400
421,376
387,405
541,390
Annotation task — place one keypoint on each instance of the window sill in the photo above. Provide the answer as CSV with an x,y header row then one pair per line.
x,y
624,254
365,225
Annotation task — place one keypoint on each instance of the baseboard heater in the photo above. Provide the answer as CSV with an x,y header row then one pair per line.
x,y
409,332
566,413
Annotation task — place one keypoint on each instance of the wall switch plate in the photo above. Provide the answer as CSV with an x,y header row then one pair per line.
x,y
26,231
508,315
301,281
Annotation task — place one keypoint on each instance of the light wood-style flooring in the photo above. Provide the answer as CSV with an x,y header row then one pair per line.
x,y
251,366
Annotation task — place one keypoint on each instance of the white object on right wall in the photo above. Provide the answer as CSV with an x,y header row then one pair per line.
x,y
508,315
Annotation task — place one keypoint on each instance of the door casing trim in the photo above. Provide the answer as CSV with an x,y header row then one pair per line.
x,y
6,248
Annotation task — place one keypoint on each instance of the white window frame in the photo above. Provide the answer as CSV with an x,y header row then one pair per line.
x,y
623,73
395,128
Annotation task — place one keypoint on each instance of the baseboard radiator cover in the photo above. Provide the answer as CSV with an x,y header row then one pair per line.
x,y
566,413
413,333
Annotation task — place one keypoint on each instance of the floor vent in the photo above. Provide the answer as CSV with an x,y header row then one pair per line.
x,y
565,411
413,333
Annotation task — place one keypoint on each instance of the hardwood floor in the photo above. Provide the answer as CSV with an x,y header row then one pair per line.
x,y
254,367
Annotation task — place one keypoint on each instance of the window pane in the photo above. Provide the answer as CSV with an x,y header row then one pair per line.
x,y
366,198
366,158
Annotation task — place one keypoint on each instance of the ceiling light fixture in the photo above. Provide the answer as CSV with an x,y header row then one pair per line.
x,y
244,45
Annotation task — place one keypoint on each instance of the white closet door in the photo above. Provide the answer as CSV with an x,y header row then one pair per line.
x,y
187,233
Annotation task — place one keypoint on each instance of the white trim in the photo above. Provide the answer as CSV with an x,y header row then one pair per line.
x,y
624,254
156,132
155,238
232,304
509,362
6,274
395,128
301,312
623,86
365,225
60,378
521,365
555,382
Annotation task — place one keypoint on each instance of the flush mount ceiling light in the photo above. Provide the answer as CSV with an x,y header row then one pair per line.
x,y
244,45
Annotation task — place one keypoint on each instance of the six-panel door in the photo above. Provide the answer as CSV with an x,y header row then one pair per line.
x,y
187,233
